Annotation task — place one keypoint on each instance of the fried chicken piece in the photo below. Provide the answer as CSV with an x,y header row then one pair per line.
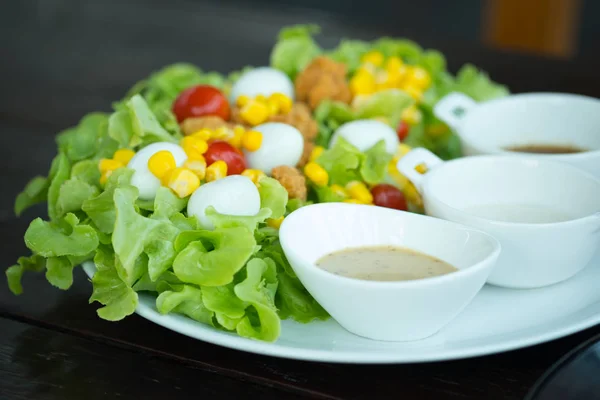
x,y
323,79
292,180
194,124
299,117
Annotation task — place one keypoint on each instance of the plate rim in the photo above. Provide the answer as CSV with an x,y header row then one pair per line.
x,y
208,334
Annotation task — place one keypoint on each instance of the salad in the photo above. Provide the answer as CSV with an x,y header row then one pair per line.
x,y
181,189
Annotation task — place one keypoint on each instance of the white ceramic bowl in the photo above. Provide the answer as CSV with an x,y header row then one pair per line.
x,y
525,119
392,311
492,192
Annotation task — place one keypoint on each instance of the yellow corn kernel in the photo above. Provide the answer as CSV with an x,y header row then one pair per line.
x,y
255,113
339,190
418,77
123,155
104,177
236,137
183,182
253,174
274,222
402,150
193,146
400,180
242,100
261,98
216,170
316,174
411,115
373,57
414,92
197,166
393,64
359,191
421,168
273,107
284,102
203,134
251,140
316,152
161,162
108,164
222,133
362,83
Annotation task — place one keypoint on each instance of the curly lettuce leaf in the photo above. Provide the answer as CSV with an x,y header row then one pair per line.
x,y
36,191
63,169
101,208
295,49
118,298
258,291
68,238
374,165
222,300
86,171
212,258
272,196
186,300
14,274
81,142
350,52
342,162
135,234
294,301
72,194
145,125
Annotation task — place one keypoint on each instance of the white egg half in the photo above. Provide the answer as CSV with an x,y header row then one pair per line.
x,y
232,195
143,179
365,133
262,80
282,144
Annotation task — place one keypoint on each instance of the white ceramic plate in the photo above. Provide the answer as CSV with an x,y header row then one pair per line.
x,y
497,320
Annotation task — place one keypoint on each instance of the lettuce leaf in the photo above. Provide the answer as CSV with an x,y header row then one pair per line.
x,y
63,169
212,258
35,192
258,290
118,298
294,301
72,194
272,196
14,273
186,300
374,165
295,49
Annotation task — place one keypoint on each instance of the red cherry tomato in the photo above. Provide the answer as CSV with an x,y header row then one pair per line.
x,y
234,158
402,130
200,101
389,196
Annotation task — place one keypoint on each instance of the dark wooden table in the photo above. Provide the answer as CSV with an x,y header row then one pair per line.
x,y
64,58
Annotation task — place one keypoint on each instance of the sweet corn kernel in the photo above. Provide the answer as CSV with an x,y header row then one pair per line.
x,y
274,222
123,155
402,150
108,164
251,140
273,107
393,64
398,178
421,168
236,138
359,191
222,133
161,162
414,92
193,146
285,103
373,57
203,134
339,190
253,174
242,100
411,115
362,83
419,77
183,182
197,166
261,98
255,113
354,201
316,174
216,170
316,152
412,194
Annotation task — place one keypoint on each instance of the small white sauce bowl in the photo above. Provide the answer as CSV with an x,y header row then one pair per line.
x,y
558,119
533,254
390,311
